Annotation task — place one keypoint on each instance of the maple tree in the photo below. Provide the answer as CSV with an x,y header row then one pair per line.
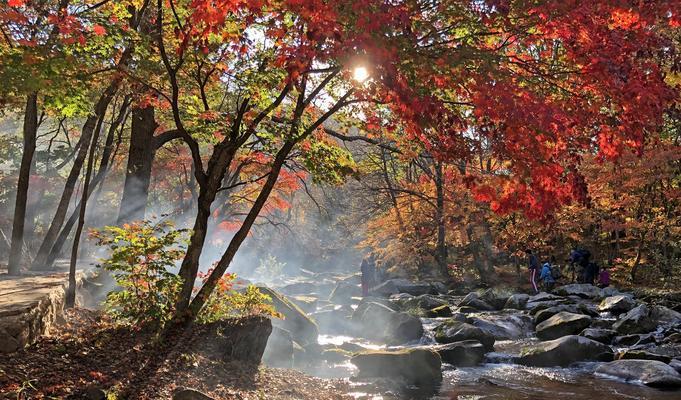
x,y
475,108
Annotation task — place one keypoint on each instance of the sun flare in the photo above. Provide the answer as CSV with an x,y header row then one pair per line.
x,y
360,74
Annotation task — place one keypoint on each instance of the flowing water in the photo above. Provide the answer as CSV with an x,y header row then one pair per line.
x,y
498,378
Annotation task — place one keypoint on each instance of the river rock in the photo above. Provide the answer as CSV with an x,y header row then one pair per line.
x,y
394,286
474,301
543,296
617,304
564,351
562,324
439,312
467,353
649,372
417,366
344,292
376,321
633,340
320,289
380,300
517,301
423,302
676,364
497,298
583,290
504,326
600,335
303,329
630,354
334,321
644,318
581,308
456,331
306,303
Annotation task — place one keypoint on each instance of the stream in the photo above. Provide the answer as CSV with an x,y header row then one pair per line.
x,y
497,377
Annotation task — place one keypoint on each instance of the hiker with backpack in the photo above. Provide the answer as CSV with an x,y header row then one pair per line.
x,y
533,266
547,277
579,261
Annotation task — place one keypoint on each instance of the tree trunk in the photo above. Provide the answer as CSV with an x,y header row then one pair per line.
x,y
140,162
71,290
40,261
441,251
107,156
30,131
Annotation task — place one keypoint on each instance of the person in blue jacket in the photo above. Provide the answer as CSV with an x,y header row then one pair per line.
x,y
546,277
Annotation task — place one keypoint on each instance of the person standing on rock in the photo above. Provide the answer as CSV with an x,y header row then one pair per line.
x,y
546,276
368,269
533,265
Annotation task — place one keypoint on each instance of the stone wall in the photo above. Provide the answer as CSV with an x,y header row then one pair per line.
x,y
29,308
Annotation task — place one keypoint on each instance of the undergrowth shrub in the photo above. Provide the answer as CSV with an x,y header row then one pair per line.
x,y
143,259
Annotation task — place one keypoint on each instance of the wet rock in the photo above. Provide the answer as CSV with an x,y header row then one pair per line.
x,y
564,351
643,319
467,353
417,366
517,301
474,301
602,323
378,322
583,290
641,355
504,326
617,304
303,329
380,300
467,310
456,331
190,394
279,349
649,372
351,347
344,292
600,335
562,324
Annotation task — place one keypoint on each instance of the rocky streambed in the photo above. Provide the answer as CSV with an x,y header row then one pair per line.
x,y
417,340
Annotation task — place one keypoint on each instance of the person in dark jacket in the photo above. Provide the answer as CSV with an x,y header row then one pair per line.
x,y
533,266
368,269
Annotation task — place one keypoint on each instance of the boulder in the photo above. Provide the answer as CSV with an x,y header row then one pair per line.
x,y
564,351
467,353
517,301
439,312
456,331
648,372
641,355
600,335
190,394
279,350
322,290
562,324
633,340
344,292
334,321
378,322
415,366
306,303
380,300
496,298
543,296
644,318
474,301
676,364
395,286
583,290
303,329
335,355
617,304
504,326
547,313
423,302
